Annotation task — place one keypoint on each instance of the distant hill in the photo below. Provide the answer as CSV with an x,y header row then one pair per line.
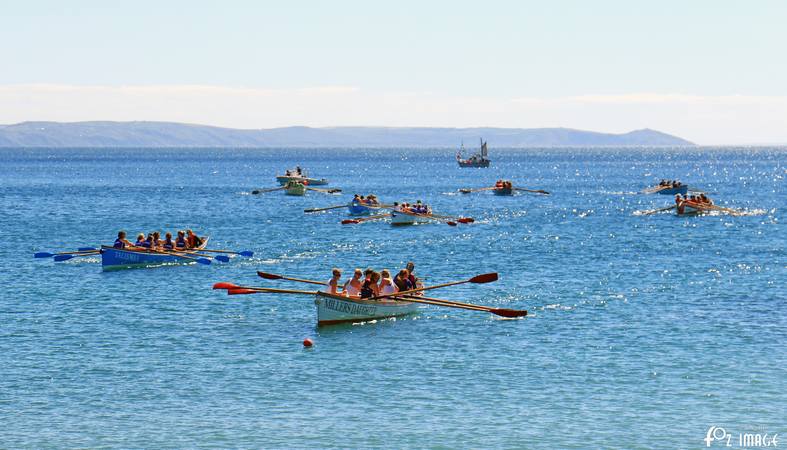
x,y
166,134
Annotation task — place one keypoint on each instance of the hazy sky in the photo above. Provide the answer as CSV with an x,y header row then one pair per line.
x,y
710,71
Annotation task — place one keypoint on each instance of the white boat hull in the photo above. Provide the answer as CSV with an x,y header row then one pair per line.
x,y
333,309
400,218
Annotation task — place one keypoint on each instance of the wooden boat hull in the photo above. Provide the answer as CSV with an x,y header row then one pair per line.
x,y
282,180
477,163
503,191
674,191
402,218
335,309
115,258
295,188
360,210
686,209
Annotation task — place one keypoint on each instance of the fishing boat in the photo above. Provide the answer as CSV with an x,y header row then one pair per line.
x,y
298,174
479,159
334,309
115,258
295,188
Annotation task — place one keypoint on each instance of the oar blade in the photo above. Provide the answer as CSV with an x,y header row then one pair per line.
x,y
465,191
241,291
225,285
484,278
222,258
504,312
349,221
60,258
451,223
465,220
43,255
269,276
246,253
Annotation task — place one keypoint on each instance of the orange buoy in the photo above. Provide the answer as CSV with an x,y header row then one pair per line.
x,y
307,342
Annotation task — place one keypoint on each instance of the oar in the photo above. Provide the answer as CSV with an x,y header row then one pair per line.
x,y
504,312
478,279
60,258
324,191
536,191
458,219
273,276
201,259
364,219
654,211
258,191
467,191
49,255
723,209
311,210
246,253
653,190
232,286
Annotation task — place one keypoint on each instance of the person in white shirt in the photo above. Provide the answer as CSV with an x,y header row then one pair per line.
x,y
333,283
352,287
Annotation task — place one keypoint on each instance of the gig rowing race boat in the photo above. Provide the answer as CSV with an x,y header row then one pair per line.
x,y
504,188
115,258
295,188
682,189
690,209
334,309
408,218
357,209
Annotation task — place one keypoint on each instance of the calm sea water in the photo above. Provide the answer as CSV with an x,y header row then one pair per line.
x,y
643,332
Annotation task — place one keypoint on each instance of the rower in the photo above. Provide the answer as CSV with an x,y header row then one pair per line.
x,y
157,239
168,243
411,276
352,287
333,283
140,241
370,288
402,280
121,241
192,240
180,242
387,285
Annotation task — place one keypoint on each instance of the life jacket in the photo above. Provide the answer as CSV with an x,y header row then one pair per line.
x,y
180,242
169,245
145,244
119,243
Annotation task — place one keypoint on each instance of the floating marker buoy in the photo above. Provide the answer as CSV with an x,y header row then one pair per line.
x,y
307,342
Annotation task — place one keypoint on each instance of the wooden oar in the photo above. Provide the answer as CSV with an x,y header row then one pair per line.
x,y
654,189
273,276
246,253
260,290
201,259
654,211
723,209
222,258
258,191
467,191
536,191
61,258
458,219
324,191
365,219
77,252
504,312
483,278
311,210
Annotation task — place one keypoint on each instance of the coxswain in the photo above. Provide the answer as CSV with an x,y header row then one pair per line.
x,y
352,287
192,240
333,284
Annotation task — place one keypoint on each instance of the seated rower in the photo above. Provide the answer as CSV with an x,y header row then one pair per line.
x,y
333,283
150,243
181,242
141,242
352,288
402,280
168,244
157,242
356,199
369,288
387,285
411,274
121,241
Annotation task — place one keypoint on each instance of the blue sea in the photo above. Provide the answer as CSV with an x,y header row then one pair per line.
x,y
643,330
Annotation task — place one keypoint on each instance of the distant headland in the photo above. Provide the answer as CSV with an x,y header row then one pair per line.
x,y
168,134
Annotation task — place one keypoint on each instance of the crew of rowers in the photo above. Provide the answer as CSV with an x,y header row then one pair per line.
x,y
701,199
370,200
185,240
417,208
502,184
670,183
297,172
369,283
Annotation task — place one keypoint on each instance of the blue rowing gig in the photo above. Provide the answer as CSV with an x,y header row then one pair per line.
x,y
682,189
357,209
116,258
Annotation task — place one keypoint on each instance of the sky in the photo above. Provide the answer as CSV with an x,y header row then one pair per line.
x,y
713,72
